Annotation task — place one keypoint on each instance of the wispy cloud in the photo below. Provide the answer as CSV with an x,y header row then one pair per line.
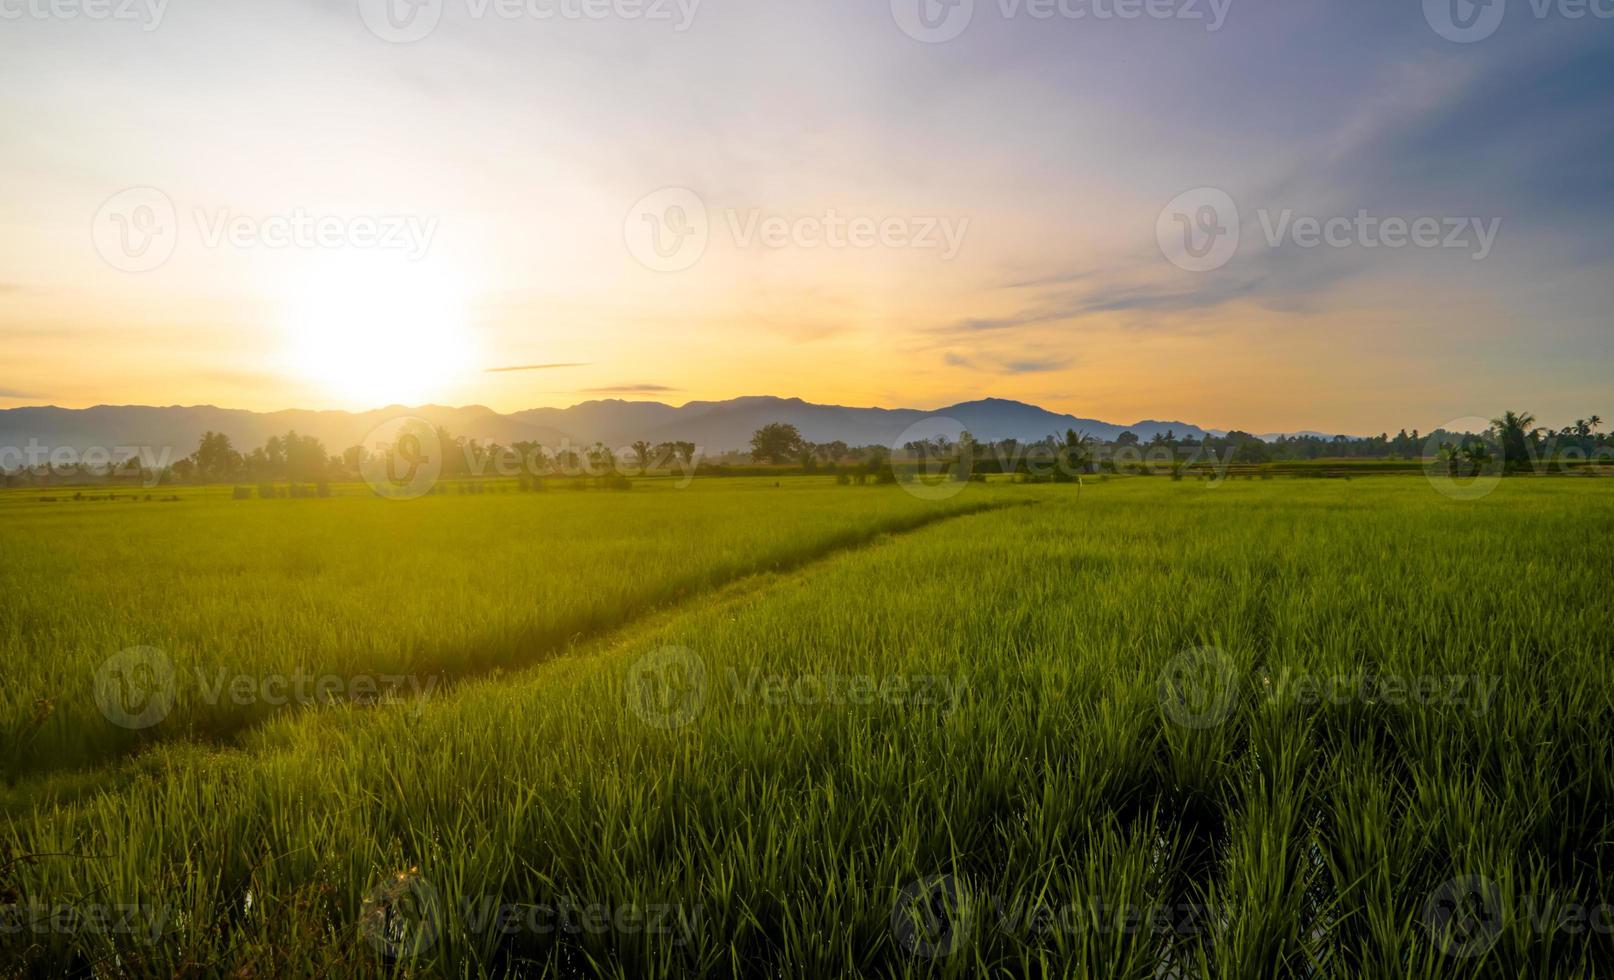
x,y
1057,279
533,367
997,364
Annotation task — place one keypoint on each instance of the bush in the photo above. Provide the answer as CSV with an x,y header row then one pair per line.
x,y
267,491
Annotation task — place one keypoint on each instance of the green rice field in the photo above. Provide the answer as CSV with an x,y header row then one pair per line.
x,y
1142,728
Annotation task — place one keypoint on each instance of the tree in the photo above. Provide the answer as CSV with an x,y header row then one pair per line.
x,y
305,457
776,442
686,451
1073,456
601,459
1449,455
1514,430
1477,456
641,453
216,460
274,456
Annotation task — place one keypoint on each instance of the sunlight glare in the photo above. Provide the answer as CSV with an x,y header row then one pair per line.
x,y
377,330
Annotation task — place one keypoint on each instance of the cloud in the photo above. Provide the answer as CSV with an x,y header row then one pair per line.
x,y
533,367
1036,365
981,324
1058,279
1515,138
1022,364
14,393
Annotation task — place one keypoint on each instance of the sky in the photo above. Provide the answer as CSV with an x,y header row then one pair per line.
x,y
1248,214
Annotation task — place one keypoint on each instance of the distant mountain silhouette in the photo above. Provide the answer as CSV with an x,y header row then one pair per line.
x,y
181,427
714,426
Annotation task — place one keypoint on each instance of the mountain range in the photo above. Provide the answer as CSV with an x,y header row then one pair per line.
x,y
715,426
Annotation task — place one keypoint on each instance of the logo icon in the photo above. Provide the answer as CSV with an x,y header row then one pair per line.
x,y
1464,467
401,21
402,916
1464,916
136,230
1199,230
134,688
668,230
402,458
1464,21
667,687
1198,688
940,454
932,917
933,21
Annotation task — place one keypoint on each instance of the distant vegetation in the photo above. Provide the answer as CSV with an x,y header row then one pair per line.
x,y
1513,443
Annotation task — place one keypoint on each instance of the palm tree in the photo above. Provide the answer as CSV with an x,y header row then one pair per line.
x,y
1477,456
1513,429
1073,456
1450,456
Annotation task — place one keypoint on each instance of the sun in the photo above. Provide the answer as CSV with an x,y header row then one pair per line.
x,y
377,330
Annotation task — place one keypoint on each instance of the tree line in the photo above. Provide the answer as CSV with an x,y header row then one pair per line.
x,y
1513,441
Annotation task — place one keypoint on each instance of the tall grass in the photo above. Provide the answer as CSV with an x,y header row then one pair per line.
x,y
1117,767
358,590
